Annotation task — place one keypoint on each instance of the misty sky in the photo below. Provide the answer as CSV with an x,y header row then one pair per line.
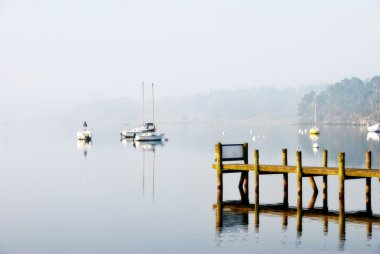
x,y
71,51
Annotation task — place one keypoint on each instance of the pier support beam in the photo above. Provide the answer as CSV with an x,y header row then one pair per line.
x,y
218,157
324,184
219,209
243,183
341,173
285,178
368,163
257,186
299,178
299,193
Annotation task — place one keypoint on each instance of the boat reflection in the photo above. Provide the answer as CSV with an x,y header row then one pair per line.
x,y
313,137
148,145
373,136
84,145
128,142
143,145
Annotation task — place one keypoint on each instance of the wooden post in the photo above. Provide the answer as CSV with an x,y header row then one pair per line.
x,y
257,186
244,175
285,178
312,200
299,192
368,162
341,163
342,222
219,166
324,184
342,228
219,209
313,185
299,178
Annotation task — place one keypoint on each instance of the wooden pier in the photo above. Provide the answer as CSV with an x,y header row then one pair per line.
x,y
239,152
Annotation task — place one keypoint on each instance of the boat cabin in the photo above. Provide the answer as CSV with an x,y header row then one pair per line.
x,y
150,126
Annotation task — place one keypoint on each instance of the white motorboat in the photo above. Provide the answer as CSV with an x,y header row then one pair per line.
x,y
84,134
150,136
374,127
148,127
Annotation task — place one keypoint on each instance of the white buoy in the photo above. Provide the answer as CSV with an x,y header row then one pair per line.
x,y
224,133
251,131
315,145
254,138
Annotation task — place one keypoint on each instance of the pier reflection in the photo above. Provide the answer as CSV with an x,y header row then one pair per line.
x,y
231,214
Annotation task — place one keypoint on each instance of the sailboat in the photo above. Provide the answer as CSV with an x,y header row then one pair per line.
x,y
315,130
375,127
84,134
154,135
146,127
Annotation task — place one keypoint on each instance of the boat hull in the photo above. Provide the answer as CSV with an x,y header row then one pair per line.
x,y
84,135
374,127
149,137
314,131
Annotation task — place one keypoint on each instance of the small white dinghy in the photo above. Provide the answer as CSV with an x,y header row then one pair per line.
x,y
84,134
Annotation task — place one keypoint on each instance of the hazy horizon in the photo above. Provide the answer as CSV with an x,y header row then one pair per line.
x,y
57,54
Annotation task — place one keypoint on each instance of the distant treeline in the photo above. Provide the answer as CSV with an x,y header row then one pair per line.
x,y
254,104
351,101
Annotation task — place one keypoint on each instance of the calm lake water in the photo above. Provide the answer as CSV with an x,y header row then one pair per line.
x,y
60,196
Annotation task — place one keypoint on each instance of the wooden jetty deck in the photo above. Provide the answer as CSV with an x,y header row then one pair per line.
x,y
239,152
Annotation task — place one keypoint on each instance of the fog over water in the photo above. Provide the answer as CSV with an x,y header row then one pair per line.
x,y
58,54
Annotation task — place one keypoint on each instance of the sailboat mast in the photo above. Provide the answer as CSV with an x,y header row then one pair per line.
x,y
153,101
315,111
143,104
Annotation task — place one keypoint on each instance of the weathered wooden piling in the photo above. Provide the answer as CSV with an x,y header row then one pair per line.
x,y
257,176
219,165
219,209
324,181
257,186
299,193
285,178
341,173
368,162
243,183
299,179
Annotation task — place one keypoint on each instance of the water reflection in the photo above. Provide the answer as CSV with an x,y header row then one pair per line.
x,y
234,215
85,146
373,136
149,145
145,147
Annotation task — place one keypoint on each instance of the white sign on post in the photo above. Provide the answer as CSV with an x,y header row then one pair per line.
x,y
232,152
